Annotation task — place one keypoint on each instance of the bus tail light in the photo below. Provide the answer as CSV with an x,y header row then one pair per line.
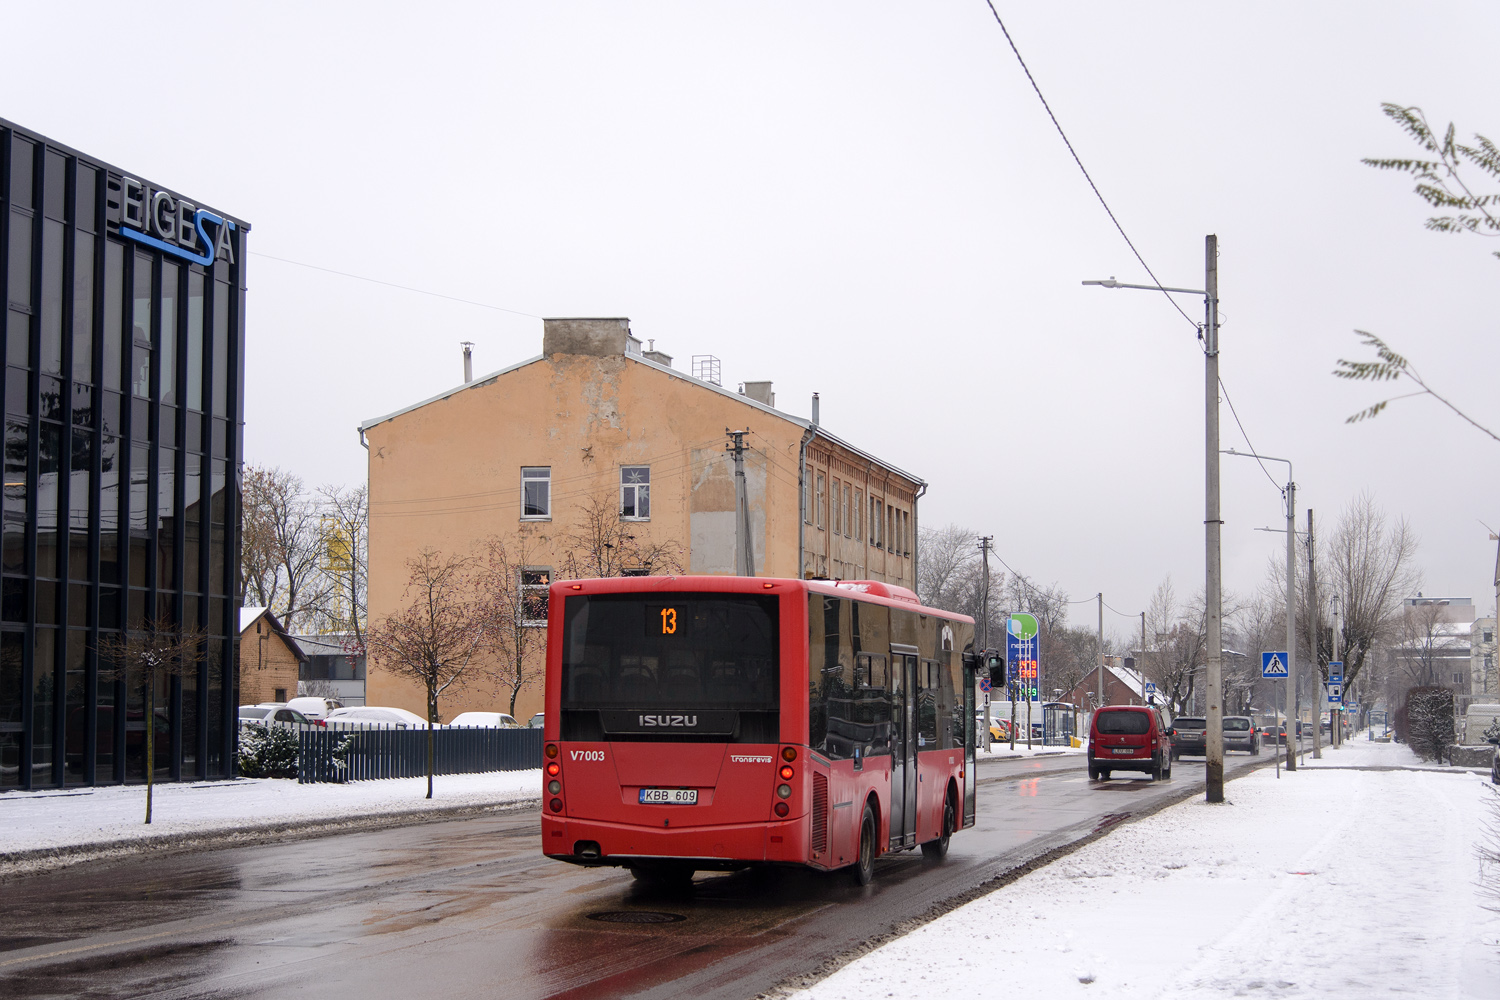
x,y
555,805
553,768
781,809
784,791
788,754
554,787
551,751
786,772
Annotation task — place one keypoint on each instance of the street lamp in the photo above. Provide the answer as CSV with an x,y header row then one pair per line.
x,y
1291,595
1212,524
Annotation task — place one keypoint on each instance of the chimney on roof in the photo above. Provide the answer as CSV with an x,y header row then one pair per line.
x,y
815,410
468,361
760,392
599,338
652,354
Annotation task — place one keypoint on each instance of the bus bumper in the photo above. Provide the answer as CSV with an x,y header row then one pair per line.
x,y
598,843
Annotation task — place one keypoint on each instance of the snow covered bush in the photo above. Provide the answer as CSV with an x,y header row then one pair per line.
x,y
267,752
1492,734
1429,721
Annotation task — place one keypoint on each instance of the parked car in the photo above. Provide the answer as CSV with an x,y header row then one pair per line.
x,y
314,707
1000,729
1240,734
1189,736
486,720
536,721
274,713
374,717
1129,738
1495,767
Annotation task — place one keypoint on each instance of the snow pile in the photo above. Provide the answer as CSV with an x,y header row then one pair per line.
x,y
74,817
1325,883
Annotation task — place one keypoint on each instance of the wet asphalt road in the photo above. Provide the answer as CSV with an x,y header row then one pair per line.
x,y
471,909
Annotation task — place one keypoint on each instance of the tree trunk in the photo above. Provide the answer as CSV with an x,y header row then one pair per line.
x,y
431,715
150,738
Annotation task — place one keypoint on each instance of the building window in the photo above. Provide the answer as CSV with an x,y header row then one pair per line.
x,y
822,501
1458,678
857,529
845,509
874,521
1489,636
534,583
906,533
536,491
635,492
280,695
838,510
807,497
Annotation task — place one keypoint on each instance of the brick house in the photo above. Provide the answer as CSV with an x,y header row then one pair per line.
x,y
270,660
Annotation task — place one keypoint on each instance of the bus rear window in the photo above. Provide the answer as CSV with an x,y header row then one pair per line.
x,y
706,663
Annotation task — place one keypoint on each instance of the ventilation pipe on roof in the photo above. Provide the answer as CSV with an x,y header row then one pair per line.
x,y
815,410
468,361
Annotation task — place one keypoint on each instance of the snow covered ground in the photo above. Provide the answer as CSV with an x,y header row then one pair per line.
x,y
1327,883
1001,750
75,817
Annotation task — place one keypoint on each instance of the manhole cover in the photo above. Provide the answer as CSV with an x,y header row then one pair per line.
x,y
636,917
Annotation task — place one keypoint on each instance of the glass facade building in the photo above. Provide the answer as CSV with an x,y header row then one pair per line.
x,y
124,309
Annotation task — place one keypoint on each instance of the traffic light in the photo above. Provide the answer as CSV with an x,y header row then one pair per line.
x,y
994,663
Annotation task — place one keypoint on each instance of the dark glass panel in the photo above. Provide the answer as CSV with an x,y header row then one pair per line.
x,y
51,464
83,307
78,604
18,339
189,721
83,405
166,426
193,432
192,604
140,315
20,261
109,607
52,296
192,523
140,482
17,391
140,419
195,340
220,359
22,165
55,185
140,371
135,614
220,442
43,698
109,509
17,499
85,198
13,599
216,563
217,468
166,485
167,353
109,412
50,397
46,602
76,713
114,298
104,749
216,623
213,720
12,723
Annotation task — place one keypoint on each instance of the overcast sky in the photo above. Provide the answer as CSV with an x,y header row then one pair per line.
x,y
865,200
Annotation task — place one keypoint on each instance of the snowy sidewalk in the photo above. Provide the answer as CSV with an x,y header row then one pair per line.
x,y
1325,884
75,820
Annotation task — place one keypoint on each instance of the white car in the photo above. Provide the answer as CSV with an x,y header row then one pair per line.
x,y
314,708
374,717
486,720
275,713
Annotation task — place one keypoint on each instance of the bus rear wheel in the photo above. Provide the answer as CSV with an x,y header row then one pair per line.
x,y
864,865
937,850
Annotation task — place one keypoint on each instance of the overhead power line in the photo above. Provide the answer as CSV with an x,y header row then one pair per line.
x,y
392,284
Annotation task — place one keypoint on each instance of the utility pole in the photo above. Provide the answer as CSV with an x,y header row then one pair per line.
x,y
1212,524
1100,595
1320,696
984,628
1292,621
1141,667
744,553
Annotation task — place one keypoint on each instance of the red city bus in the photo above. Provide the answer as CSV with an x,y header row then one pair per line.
x,y
702,723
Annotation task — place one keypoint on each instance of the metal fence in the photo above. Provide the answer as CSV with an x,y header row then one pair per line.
x,y
352,753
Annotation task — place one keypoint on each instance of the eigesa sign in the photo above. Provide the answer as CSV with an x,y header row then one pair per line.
x,y
169,222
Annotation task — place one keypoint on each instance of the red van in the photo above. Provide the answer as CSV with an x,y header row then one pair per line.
x,y
1129,738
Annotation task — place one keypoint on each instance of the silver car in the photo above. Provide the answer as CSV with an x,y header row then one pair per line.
x,y
1240,734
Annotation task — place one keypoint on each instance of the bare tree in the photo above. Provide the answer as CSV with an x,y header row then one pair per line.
x,y
345,543
151,654
281,546
518,615
1368,564
1180,647
436,636
604,545
1423,643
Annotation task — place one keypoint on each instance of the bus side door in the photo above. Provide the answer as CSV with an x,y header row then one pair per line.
x,y
904,756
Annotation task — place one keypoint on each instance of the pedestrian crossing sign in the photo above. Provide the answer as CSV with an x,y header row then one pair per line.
x,y
1273,665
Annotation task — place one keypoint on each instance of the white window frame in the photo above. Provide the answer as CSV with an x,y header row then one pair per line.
x,y
540,579
638,491
536,474
821,492
838,520
858,527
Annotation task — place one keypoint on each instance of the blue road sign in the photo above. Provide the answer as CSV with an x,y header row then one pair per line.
x,y
984,684
1273,665
1150,689
1335,671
